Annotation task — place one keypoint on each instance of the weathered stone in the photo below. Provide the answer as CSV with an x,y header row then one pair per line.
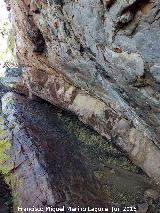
x,y
104,53
150,193
45,166
155,71
53,160
139,147
12,79
142,208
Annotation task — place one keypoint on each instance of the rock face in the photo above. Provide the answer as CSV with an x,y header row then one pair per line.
x,y
12,79
51,160
44,162
100,60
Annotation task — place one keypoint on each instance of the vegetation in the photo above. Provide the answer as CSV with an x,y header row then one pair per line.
x,y
5,146
6,201
7,43
101,151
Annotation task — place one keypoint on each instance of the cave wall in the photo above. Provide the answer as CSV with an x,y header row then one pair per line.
x,y
100,60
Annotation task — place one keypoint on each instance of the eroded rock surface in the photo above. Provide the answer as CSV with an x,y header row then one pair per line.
x,y
100,60
46,166
50,158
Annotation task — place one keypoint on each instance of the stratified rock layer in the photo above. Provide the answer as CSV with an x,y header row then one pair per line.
x,y
100,60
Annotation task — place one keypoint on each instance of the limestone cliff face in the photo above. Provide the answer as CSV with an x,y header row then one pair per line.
x,y
101,60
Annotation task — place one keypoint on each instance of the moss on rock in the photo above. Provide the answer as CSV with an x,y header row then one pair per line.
x,y
98,149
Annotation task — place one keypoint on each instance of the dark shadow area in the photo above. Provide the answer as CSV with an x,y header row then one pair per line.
x,y
70,175
6,204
